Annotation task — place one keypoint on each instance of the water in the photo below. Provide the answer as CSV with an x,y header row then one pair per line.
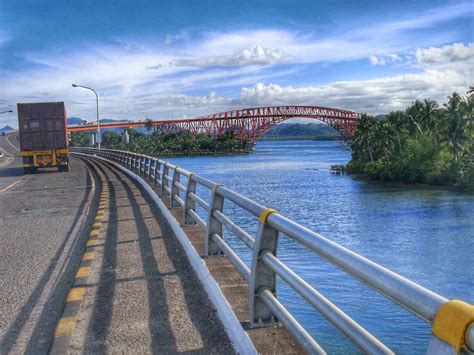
x,y
424,234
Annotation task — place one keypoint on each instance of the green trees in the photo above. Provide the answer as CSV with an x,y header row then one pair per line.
x,y
180,143
79,139
425,143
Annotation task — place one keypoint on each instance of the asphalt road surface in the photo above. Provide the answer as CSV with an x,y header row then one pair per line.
x,y
37,216
10,161
142,295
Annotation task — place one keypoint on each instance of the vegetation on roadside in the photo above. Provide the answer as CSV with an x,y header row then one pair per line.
x,y
426,143
182,143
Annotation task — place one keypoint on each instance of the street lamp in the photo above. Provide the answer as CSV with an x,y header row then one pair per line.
x,y
97,101
172,114
6,111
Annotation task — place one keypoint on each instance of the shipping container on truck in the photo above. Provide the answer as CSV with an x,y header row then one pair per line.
x,y
43,136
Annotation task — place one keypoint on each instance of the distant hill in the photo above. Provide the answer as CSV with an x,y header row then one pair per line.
x,y
75,121
6,129
298,131
80,121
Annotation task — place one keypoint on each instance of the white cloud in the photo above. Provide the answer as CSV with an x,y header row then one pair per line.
x,y
376,60
395,58
171,39
214,61
256,55
455,56
134,47
374,96
447,54
186,101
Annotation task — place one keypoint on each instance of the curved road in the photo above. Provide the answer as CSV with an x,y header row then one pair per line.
x,y
37,217
10,160
142,295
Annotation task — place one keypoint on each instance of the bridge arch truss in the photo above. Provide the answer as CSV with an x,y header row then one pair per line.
x,y
252,123
249,124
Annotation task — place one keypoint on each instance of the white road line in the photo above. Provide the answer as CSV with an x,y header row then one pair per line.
x,y
11,144
10,186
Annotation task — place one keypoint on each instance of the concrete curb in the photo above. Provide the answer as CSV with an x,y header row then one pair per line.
x,y
239,338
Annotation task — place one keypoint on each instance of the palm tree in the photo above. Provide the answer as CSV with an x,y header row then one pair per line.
x,y
365,133
398,121
414,113
467,107
455,124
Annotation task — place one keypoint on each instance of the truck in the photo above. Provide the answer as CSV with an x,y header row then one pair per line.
x,y
43,136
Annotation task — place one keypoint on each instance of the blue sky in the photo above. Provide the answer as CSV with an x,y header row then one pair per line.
x,y
187,58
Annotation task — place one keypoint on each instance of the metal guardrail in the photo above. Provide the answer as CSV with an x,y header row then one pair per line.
x,y
452,321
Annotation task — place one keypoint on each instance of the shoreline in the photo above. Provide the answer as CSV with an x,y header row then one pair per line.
x,y
407,185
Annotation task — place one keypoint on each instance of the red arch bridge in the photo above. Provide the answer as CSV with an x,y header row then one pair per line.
x,y
249,124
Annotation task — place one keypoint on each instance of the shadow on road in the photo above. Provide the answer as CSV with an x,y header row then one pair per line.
x,y
161,320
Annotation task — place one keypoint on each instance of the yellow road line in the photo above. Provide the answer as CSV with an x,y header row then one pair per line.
x,y
10,186
94,233
99,217
65,326
88,255
92,243
97,225
76,294
83,272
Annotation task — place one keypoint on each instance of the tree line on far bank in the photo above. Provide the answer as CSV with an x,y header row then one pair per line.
x,y
426,143
155,144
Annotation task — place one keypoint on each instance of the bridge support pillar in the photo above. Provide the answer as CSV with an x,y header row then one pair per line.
x,y
125,137
91,139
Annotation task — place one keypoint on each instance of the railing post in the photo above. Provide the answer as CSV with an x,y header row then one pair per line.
x,y
213,226
189,203
261,276
157,173
174,188
149,168
136,163
164,181
153,177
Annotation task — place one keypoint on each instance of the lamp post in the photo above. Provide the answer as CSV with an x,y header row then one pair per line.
x,y
97,102
172,114
6,111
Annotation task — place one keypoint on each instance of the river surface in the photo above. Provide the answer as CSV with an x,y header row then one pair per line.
x,y
424,234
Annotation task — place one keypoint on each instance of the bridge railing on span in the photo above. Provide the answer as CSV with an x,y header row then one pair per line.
x,y
452,320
